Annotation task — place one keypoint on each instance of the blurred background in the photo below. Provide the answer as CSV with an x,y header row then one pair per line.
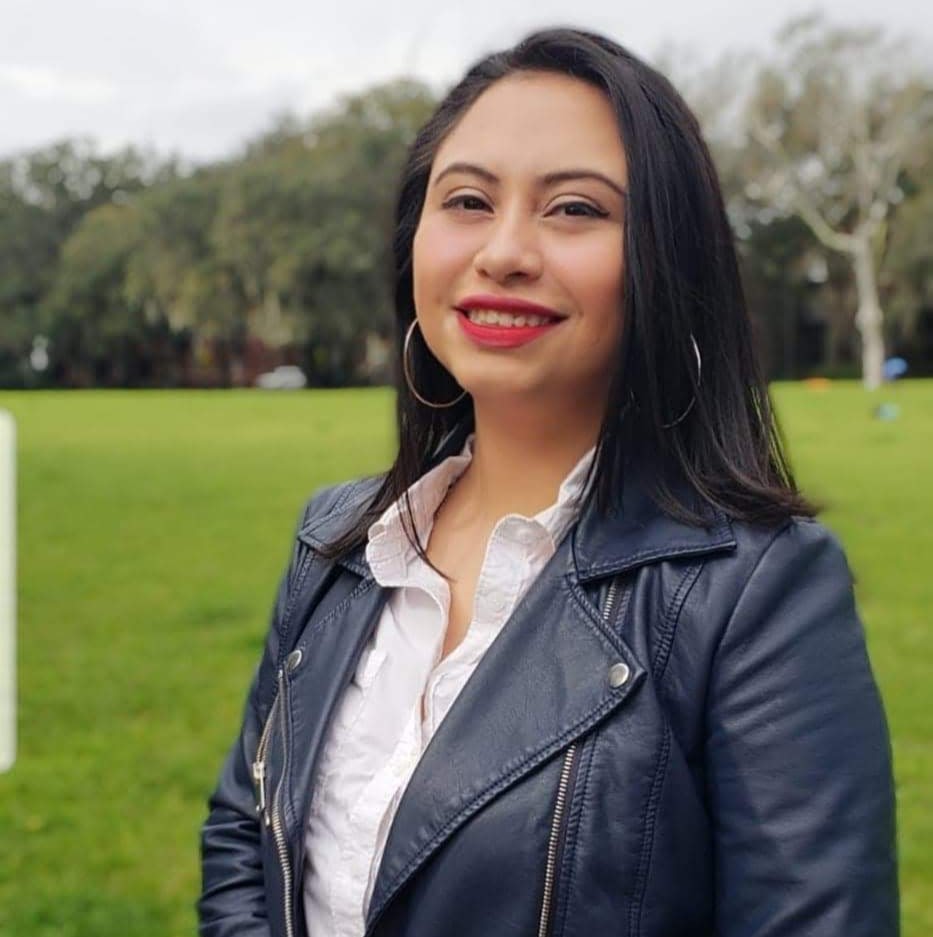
x,y
197,197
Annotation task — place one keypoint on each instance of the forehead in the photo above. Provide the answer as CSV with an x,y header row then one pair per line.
x,y
537,122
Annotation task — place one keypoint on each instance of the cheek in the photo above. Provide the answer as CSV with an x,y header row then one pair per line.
x,y
593,273
439,257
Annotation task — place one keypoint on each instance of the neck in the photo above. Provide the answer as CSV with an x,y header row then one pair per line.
x,y
520,458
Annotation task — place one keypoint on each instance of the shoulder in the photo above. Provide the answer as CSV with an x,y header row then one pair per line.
x,y
786,582
332,510
782,549
788,590
795,549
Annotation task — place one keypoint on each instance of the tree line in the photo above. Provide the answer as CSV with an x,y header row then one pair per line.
x,y
130,269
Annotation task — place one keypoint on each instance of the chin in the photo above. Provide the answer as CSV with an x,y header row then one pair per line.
x,y
503,389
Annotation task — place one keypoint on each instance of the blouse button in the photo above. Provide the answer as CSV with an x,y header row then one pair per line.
x,y
618,674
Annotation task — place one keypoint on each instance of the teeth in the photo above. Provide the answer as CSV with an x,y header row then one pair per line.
x,y
508,319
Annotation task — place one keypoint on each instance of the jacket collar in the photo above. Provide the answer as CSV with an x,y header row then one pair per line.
x,y
635,532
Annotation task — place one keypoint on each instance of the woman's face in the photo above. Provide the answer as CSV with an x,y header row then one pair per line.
x,y
526,202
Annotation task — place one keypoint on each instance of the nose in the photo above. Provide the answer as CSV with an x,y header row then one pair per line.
x,y
511,250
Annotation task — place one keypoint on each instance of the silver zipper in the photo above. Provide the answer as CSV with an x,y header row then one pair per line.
x,y
544,922
560,804
610,599
271,812
259,764
278,828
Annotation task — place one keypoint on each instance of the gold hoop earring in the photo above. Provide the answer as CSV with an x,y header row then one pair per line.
x,y
406,370
693,399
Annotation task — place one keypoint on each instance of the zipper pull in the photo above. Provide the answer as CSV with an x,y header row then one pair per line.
x,y
259,776
259,765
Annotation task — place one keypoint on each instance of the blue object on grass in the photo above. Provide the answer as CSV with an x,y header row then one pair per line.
x,y
894,368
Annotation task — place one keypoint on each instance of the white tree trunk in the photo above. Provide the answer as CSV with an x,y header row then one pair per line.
x,y
869,318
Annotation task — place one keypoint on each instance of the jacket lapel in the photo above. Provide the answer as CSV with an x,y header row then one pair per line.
x,y
335,614
543,682
332,639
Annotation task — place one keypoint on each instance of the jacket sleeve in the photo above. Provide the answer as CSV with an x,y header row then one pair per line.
x,y
232,902
797,757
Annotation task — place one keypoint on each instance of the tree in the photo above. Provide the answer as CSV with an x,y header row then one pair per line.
x,y
172,273
837,126
28,251
304,226
95,334
907,270
44,195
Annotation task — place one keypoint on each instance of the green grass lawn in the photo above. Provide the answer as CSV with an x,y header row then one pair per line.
x,y
153,529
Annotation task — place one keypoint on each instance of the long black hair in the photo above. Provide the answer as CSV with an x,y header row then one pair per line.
x,y
708,426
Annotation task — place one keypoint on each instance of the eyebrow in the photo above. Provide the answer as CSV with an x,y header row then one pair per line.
x,y
547,180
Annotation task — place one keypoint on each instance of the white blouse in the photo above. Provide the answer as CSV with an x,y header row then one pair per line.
x,y
377,735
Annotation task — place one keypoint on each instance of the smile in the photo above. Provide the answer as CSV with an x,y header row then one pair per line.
x,y
506,319
497,329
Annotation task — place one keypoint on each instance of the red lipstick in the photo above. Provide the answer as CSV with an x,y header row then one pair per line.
x,y
506,304
504,336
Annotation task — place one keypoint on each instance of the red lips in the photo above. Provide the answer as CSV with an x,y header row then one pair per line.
x,y
506,304
504,336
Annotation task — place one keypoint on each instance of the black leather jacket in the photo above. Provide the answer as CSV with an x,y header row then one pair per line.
x,y
676,733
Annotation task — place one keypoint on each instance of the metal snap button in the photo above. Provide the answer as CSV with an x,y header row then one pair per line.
x,y
293,660
618,674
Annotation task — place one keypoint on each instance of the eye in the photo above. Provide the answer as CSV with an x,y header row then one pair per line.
x,y
473,203
466,202
580,210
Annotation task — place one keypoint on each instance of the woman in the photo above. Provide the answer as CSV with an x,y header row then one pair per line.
x,y
581,662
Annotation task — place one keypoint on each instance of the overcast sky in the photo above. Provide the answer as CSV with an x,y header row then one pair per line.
x,y
199,77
